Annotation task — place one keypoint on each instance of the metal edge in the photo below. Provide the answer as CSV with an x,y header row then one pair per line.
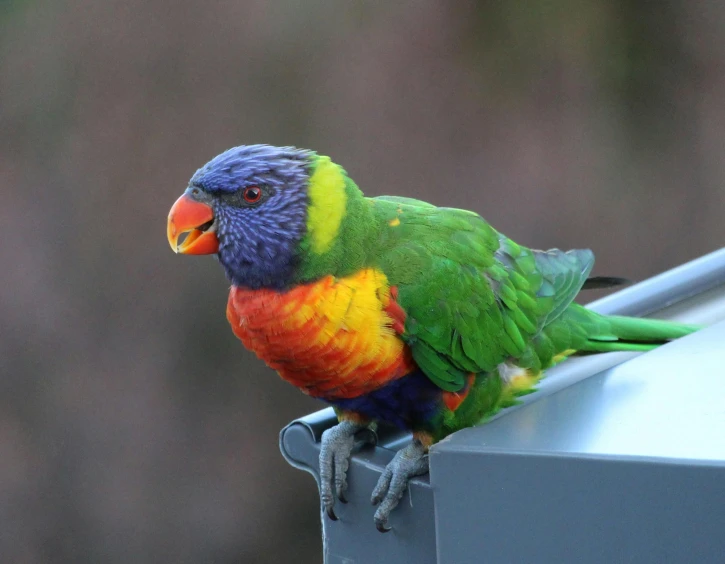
x,y
312,426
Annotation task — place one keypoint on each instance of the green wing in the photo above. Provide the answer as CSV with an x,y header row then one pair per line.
x,y
473,297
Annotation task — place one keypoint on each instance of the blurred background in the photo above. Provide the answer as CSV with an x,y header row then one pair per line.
x,y
133,426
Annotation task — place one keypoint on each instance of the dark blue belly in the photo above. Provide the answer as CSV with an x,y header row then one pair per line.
x,y
409,402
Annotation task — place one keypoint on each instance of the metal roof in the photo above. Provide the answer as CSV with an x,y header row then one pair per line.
x,y
617,457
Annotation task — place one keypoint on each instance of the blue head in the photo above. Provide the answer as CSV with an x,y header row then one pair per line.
x,y
253,203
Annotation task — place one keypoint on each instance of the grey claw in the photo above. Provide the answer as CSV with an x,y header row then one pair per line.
x,y
381,489
366,437
383,527
409,462
331,514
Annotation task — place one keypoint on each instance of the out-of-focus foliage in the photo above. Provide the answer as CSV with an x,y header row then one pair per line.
x,y
133,428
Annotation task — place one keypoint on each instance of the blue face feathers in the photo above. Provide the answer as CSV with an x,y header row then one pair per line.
x,y
253,164
258,237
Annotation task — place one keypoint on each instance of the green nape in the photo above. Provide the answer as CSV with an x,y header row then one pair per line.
x,y
341,235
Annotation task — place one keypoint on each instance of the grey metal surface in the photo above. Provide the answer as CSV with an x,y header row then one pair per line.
x,y
475,503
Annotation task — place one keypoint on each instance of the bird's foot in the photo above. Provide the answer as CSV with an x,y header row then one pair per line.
x,y
409,462
338,443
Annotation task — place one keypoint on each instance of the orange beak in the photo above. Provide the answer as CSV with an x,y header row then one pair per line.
x,y
197,219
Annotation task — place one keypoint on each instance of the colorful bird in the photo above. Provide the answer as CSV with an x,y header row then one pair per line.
x,y
389,309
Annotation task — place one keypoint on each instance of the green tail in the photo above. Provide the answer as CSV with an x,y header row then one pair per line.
x,y
635,334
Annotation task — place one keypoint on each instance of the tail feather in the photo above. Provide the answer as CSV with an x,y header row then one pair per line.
x,y
593,347
648,330
636,334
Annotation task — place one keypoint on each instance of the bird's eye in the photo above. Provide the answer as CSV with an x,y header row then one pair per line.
x,y
252,194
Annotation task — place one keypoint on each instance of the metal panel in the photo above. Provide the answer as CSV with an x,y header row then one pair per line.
x,y
578,510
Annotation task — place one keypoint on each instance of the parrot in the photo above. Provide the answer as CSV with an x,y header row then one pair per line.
x,y
389,309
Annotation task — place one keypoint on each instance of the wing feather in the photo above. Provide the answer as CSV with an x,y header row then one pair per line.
x,y
473,298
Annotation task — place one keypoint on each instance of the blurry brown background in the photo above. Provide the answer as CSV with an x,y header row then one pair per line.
x,y
133,427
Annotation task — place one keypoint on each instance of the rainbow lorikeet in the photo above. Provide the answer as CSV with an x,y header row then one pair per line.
x,y
389,309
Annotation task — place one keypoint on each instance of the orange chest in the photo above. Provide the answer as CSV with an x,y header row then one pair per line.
x,y
333,338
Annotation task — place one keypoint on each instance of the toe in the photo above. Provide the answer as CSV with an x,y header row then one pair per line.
x,y
342,464
390,500
409,462
335,450
381,489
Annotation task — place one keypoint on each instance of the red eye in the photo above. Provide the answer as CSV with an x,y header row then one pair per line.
x,y
252,194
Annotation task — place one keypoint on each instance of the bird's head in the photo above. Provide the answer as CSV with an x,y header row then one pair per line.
x,y
250,206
